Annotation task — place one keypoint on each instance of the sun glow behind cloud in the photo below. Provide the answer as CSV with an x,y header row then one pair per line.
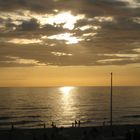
x,y
66,18
63,28
71,33
66,37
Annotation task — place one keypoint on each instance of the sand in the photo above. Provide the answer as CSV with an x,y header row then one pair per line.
x,y
119,132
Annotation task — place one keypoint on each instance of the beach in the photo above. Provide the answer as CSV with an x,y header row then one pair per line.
x,y
83,113
117,132
70,70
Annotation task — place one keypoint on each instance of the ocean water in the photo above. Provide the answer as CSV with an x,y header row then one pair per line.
x,y
31,107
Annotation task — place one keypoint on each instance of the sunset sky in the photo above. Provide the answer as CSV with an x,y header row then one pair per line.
x,y
69,42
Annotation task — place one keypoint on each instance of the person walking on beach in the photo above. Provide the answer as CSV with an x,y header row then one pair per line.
x,y
44,125
79,123
12,126
75,123
72,124
53,125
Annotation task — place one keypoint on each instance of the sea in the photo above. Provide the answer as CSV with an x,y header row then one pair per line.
x,y
32,107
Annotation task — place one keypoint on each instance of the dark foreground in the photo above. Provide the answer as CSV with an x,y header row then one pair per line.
x,y
120,132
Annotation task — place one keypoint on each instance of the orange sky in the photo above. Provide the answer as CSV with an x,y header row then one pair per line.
x,y
69,76
72,43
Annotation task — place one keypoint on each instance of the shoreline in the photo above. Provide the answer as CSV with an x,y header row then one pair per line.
x,y
67,133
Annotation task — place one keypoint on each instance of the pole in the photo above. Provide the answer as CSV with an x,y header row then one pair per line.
x,y
111,101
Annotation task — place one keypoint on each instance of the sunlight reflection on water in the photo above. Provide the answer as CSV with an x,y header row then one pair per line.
x,y
30,107
68,102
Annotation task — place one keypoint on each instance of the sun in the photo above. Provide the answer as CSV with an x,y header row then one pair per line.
x,y
66,90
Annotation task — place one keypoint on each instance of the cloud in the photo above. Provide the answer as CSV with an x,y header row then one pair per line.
x,y
35,5
67,33
32,24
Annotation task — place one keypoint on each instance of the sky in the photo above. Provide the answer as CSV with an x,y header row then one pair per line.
x,y
69,42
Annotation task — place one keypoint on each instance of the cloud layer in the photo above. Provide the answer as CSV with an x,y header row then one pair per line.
x,y
69,32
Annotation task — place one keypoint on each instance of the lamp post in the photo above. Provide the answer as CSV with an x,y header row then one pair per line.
x,y
111,101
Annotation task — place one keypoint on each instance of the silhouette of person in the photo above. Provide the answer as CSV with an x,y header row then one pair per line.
x,y
72,124
75,123
44,125
79,123
12,127
53,124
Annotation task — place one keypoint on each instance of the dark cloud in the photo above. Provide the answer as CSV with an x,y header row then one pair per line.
x,y
99,7
34,5
32,24
118,33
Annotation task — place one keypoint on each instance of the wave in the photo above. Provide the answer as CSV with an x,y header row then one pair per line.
x,y
131,116
22,122
4,118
